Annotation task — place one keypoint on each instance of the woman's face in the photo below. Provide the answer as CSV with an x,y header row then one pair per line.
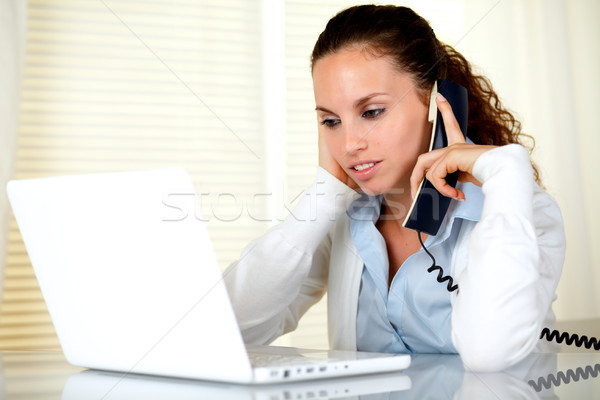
x,y
373,119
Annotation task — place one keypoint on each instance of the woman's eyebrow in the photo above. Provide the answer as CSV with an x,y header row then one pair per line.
x,y
368,97
357,104
319,108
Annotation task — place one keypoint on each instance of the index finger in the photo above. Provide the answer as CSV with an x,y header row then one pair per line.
x,y
453,131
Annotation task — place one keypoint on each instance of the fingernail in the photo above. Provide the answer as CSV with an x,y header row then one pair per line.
x,y
440,97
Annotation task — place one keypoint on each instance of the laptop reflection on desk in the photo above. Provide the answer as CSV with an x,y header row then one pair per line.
x,y
93,384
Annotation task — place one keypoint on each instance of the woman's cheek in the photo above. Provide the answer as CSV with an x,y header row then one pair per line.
x,y
334,147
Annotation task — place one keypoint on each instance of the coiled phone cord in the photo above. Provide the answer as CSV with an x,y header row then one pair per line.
x,y
565,377
451,287
555,335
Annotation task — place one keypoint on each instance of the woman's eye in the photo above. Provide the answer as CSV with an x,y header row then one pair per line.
x,y
373,113
330,122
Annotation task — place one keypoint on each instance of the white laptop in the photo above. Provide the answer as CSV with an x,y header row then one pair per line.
x,y
130,278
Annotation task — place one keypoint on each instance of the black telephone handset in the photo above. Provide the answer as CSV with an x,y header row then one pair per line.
x,y
429,206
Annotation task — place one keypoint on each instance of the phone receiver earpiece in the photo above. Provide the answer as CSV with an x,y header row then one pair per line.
x,y
429,206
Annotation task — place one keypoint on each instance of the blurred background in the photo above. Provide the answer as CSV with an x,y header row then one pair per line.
x,y
223,89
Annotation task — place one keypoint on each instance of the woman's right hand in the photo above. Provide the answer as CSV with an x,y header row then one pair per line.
x,y
327,162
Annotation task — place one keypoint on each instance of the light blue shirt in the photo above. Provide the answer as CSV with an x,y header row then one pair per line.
x,y
414,316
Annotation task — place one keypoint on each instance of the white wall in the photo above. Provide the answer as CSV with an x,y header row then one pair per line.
x,y
543,57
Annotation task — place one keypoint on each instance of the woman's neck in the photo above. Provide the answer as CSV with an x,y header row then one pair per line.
x,y
395,207
400,242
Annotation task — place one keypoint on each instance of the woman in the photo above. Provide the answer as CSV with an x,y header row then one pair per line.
x,y
502,241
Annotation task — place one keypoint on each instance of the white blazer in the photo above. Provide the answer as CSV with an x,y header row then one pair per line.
x,y
507,266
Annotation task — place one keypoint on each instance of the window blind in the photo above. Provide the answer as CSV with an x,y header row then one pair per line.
x,y
125,85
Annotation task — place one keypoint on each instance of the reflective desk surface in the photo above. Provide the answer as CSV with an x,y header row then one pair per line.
x,y
46,375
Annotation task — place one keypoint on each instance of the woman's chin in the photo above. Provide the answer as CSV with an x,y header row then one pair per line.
x,y
371,191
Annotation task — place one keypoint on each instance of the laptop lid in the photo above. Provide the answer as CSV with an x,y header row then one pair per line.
x,y
128,286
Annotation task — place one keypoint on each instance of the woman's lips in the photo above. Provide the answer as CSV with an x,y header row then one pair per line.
x,y
364,170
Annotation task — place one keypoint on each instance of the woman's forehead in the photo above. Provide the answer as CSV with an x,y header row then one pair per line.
x,y
353,73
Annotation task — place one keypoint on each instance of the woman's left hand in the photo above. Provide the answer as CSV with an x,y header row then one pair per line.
x,y
458,156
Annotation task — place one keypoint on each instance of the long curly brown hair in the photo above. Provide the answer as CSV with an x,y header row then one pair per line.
x,y
409,40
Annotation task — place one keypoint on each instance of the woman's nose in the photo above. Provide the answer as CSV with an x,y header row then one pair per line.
x,y
354,139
